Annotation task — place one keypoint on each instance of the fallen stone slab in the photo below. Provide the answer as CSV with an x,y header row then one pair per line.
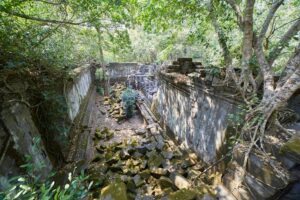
x,y
158,172
140,131
179,181
291,149
183,194
267,170
114,191
138,181
165,182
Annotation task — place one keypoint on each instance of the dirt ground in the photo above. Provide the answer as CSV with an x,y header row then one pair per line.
x,y
124,130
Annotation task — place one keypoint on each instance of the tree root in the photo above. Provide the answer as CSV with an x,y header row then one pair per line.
x,y
289,133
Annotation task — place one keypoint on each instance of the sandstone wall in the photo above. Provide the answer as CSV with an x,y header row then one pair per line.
x,y
23,141
119,70
195,109
195,112
138,76
78,89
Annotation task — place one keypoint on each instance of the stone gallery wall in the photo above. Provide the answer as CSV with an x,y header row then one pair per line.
x,y
135,75
195,113
119,70
195,108
78,89
21,141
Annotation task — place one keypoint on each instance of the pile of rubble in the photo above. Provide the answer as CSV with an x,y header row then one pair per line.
x,y
114,102
145,167
184,66
187,67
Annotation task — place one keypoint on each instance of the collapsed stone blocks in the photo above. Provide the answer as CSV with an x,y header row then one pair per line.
x,y
264,176
184,66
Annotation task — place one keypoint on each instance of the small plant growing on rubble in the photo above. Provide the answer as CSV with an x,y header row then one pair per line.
x,y
129,98
24,187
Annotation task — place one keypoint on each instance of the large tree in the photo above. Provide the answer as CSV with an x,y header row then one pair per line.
x,y
252,57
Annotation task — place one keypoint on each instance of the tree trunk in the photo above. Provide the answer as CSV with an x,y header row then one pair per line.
x,y
247,44
100,45
230,73
106,79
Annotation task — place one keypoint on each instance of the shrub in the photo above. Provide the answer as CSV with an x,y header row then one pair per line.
x,y
129,98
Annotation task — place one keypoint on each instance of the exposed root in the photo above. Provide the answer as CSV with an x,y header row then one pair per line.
x,y
289,133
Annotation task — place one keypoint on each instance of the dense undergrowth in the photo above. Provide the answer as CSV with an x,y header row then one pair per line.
x,y
32,188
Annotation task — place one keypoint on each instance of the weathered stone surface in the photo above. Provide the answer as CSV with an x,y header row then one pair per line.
x,y
183,194
223,193
102,110
258,188
157,172
79,90
179,181
291,149
155,160
233,182
167,154
165,182
146,164
259,166
114,191
208,197
138,181
138,76
248,187
140,131
194,114
187,163
145,174
26,138
124,154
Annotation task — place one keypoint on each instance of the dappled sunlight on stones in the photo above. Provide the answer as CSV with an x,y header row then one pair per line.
x,y
148,165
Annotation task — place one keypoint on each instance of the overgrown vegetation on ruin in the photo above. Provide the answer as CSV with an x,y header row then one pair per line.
x,y
30,187
256,41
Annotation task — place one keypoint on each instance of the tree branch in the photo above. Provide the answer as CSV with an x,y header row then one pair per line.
x,y
267,73
294,29
268,20
9,12
292,65
48,34
221,38
230,72
237,12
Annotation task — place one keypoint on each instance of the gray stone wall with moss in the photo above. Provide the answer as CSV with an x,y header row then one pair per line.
x,y
195,113
23,140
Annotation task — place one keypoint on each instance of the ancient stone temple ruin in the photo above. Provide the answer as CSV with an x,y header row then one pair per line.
x,y
163,132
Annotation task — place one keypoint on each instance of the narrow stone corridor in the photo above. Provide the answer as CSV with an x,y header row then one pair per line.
x,y
131,162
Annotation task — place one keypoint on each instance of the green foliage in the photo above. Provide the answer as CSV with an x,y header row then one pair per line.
x,y
31,168
128,30
100,90
213,71
128,99
31,186
26,188
237,120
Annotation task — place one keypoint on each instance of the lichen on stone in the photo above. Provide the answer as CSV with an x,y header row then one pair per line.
x,y
292,146
114,191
